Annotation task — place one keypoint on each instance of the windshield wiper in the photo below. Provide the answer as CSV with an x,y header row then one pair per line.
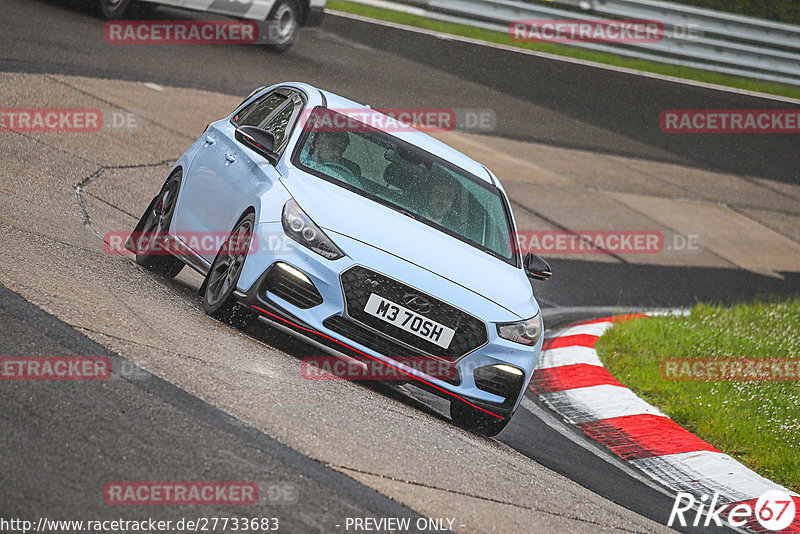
x,y
400,210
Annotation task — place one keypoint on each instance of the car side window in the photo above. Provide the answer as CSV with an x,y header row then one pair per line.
x,y
281,121
256,113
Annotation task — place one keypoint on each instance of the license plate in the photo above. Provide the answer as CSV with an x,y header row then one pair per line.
x,y
409,321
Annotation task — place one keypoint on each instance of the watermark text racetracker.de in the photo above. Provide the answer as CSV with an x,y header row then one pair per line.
x,y
730,121
576,31
180,493
603,242
68,368
50,120
187,243
55,368
181,32
333,368
730,369
354,120
64,120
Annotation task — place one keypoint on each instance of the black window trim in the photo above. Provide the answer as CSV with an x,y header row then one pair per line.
x,y
290,93
288,90
236,123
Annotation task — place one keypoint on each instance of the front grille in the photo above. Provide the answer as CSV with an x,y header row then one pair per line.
x,y
386,346
497,382
359,283
290,288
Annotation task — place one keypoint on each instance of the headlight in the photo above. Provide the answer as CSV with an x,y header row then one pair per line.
x,y
526,332
302,229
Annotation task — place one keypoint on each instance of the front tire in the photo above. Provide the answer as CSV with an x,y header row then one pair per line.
x,y
283,25
474,420
218,299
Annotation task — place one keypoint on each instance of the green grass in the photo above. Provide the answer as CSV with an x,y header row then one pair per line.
x,y
757,423
565,50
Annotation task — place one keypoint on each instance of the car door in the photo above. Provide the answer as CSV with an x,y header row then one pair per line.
x,y
225,176
244,169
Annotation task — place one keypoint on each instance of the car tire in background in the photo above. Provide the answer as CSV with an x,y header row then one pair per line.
x,y
282,26
156,221
474,420
113,9
220,283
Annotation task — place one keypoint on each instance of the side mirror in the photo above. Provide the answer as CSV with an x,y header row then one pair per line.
x,y
258,140
536,267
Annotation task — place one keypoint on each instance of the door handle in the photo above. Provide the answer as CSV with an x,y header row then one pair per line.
x,y
209,140
230,157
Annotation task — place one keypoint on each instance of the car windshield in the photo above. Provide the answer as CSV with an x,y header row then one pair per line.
x,y
406,178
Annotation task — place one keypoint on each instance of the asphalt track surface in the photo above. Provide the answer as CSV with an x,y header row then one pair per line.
x,y
185,432
396,64
535,99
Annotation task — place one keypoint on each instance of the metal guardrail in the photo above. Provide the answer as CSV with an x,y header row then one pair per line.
x,y
693,37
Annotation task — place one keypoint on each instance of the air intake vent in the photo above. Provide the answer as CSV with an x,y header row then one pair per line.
x,y
291,285
499,382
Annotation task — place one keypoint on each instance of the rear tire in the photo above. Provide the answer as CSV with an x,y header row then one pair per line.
x,y
156,222
282,25
218,299
474,420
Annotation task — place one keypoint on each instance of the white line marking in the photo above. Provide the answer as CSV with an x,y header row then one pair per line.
x,y
707,472
568,356
593,329
592,403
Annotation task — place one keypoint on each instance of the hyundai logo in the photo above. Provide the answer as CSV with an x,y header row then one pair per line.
x,y
369,282
416,303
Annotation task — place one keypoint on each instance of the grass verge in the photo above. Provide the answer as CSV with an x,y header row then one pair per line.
x,y
565,50
758,423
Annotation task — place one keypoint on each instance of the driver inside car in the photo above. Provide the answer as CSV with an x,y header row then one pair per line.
x,y
328,148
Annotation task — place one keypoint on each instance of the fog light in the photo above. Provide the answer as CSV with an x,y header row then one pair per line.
x,y
297,273
508,369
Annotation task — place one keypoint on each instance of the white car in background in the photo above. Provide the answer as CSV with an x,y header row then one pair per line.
x,y
280,20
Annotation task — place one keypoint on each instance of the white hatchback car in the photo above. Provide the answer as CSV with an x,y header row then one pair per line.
x,y
279,20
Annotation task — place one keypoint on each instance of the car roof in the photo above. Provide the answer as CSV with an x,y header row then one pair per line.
x,y
413,136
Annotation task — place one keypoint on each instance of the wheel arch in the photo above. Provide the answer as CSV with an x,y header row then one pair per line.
x,y
176,168
247,211
305,6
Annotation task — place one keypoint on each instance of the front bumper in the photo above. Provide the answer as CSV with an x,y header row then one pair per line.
x,y
477,378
